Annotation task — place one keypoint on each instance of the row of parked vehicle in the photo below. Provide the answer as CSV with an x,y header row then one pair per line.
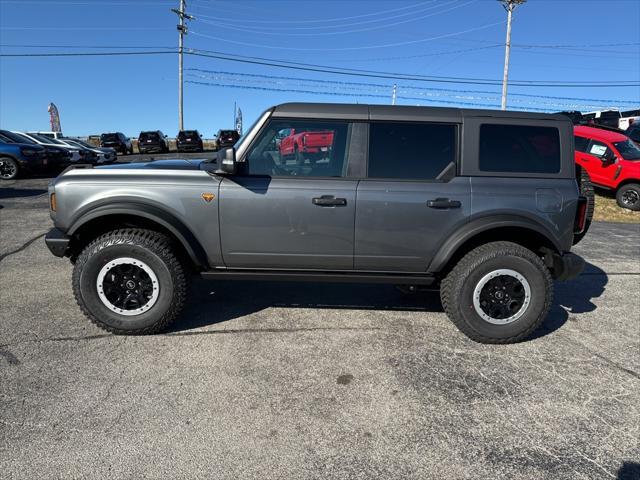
x,y
154,141
22,153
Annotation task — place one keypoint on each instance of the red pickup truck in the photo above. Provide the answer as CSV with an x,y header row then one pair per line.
x,y
306,145
612,161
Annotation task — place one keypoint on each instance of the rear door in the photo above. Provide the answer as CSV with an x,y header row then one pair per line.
x,y
285,214
412,197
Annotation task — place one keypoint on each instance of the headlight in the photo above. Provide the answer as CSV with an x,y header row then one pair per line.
x,y
29,152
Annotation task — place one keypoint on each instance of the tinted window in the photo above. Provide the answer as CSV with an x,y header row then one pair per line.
x,y
628,150
109,137
149,136
634,133
299,148
14,137
413,151
581,144
519,149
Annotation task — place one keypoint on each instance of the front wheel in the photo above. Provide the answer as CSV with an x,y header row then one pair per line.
x,y
130,282
8,168
628,196
498,293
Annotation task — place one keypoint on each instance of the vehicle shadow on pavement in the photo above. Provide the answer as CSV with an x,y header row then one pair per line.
x,y
9,192
574,297
218,302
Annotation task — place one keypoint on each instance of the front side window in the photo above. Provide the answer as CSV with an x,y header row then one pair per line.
x,y
519,149
599,149
410,151
628,150
300,148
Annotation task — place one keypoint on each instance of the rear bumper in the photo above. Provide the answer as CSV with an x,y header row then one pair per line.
x,y
566,266
57,242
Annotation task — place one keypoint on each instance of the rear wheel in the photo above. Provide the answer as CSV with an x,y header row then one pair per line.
x,y
628,196
498,293
130,282
8,168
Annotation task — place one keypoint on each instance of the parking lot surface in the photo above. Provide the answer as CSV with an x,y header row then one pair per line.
x,y
293,381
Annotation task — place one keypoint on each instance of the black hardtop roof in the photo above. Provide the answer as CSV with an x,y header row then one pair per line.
x,y
400,112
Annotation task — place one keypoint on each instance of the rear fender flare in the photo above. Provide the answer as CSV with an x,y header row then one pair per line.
x,y
480,225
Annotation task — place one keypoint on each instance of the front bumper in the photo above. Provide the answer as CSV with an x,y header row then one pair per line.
x,y
57,242
566,266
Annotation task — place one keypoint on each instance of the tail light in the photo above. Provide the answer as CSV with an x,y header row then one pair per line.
x,y
581,216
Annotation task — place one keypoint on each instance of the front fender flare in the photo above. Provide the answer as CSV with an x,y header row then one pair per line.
x,y
149,212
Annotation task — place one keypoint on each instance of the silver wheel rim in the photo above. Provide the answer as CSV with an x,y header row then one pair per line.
x,y
135,266
481,309
7,169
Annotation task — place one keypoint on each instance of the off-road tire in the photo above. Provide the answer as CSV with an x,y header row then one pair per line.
x,y
586,190
633,188
16,168
456,292
153,248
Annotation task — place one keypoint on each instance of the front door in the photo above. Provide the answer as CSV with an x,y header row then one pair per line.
x,y
286,212
601,171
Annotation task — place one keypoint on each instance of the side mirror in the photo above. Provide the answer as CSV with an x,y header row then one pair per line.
x,y
227,161
608,157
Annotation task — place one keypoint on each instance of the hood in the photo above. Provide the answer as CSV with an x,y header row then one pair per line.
x,y
176,164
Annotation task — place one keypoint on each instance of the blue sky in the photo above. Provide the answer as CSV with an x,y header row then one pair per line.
x,y
553,41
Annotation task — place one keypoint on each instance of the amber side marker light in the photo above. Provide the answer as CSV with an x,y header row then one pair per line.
x,y
52,202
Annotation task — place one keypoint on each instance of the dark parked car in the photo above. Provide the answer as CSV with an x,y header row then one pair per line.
x,y
153,141
20,158
482,204
633,132
118,141
226,138
189,141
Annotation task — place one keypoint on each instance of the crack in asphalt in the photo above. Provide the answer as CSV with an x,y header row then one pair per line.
x,y
22,247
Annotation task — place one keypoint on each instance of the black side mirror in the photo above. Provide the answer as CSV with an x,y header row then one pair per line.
x,y
608,157
227,164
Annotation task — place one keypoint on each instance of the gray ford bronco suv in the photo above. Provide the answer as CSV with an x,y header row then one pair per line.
x,y
482,204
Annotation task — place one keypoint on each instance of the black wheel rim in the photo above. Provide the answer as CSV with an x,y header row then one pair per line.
x,y
630,198
7,169
502,297
127,286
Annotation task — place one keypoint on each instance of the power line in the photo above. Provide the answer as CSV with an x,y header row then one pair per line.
x,y
82,54
338,71
342,49
403,87
387,23
381,12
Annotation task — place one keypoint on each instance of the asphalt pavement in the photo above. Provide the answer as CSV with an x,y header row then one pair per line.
x,y
303,381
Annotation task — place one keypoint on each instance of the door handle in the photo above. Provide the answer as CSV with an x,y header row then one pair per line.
x,y
329,201
443,203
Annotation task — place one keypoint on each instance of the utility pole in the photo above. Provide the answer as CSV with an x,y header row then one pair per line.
x,y
393,94
182,31
509,6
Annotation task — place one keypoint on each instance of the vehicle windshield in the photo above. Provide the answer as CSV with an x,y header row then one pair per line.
x,y
16,138
80,143
628,150
188,133
42,139
149,135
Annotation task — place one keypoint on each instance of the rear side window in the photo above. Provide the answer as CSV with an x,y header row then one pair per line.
x,y
519,149
581,144
410,151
